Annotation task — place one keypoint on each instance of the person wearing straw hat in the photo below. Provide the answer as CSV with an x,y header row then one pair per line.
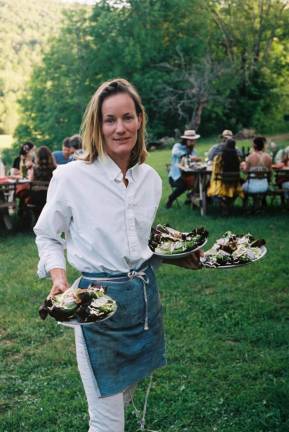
x,y
185,148
105,204
217,149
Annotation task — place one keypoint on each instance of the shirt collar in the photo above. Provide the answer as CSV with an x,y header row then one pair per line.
x,y
114,172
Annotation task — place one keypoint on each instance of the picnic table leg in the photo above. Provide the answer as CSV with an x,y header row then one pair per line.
x,y
202,198
204,191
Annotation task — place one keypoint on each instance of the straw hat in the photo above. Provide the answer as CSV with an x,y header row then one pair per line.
x,y
190,135
227,134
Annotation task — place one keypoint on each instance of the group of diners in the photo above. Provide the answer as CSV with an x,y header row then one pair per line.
x,y
226,162
38,163
35,166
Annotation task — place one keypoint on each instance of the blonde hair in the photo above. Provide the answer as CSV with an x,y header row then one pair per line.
x,y
91,127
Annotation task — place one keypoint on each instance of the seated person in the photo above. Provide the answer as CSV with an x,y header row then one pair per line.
x,y
217,149
44,165
42,171
226,188
258,160
76,146
281,155
185,148
64,156
22,165
283,179
24,161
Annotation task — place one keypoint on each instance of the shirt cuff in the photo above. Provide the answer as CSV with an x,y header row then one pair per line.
x,y
44,268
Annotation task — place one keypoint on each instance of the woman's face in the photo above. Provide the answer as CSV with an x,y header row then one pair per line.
x,y
120,124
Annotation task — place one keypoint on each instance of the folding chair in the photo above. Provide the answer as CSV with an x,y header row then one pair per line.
x,y
36,200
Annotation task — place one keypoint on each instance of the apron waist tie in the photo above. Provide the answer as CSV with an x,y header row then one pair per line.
x,y
145,280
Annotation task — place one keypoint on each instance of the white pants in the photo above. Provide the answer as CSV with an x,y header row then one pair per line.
x,y
106,414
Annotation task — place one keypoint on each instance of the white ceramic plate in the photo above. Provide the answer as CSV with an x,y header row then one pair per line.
x,y
181,254
263,253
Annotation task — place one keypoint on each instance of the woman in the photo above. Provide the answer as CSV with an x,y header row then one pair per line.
x,y
105,204
282,178
225,179
258,161
24,161
44,165
22,167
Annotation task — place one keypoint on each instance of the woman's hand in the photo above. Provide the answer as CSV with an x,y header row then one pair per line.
x,y
59,282
191,261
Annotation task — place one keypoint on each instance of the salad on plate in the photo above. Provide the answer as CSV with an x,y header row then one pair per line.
x,y
233,250
79,305
169,242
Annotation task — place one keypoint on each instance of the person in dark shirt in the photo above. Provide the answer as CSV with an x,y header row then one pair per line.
x,y
217,149
26,156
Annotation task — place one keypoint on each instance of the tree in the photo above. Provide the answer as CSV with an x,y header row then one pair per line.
x,y
247,33
25,26
54,100
193,86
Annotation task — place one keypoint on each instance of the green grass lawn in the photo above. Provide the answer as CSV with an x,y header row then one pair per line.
x,y
226,333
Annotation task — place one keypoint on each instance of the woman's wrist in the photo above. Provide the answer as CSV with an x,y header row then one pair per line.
x,y
58,275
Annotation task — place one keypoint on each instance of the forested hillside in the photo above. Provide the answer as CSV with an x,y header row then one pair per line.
x,y
207,65
25,28
202,65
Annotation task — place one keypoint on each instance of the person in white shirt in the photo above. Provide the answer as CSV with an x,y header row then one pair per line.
x,y
106,204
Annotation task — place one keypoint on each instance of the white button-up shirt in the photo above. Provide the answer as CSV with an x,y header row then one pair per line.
x,y
106,225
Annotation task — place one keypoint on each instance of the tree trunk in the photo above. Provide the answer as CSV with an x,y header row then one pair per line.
x,y
197,114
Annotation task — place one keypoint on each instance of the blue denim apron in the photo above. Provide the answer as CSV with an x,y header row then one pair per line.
x,y
130,345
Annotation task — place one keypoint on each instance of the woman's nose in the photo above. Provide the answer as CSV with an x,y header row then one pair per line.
x,y
119,126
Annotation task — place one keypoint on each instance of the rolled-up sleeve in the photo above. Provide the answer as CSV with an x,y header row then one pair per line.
x,y
53,226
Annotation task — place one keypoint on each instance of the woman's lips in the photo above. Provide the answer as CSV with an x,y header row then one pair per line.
x,y
121,139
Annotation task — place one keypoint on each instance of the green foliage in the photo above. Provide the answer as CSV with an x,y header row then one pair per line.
x,y
251,33
54,100
211,65
25,26
226,334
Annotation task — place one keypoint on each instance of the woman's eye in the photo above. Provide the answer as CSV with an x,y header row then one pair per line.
x,y
109,120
